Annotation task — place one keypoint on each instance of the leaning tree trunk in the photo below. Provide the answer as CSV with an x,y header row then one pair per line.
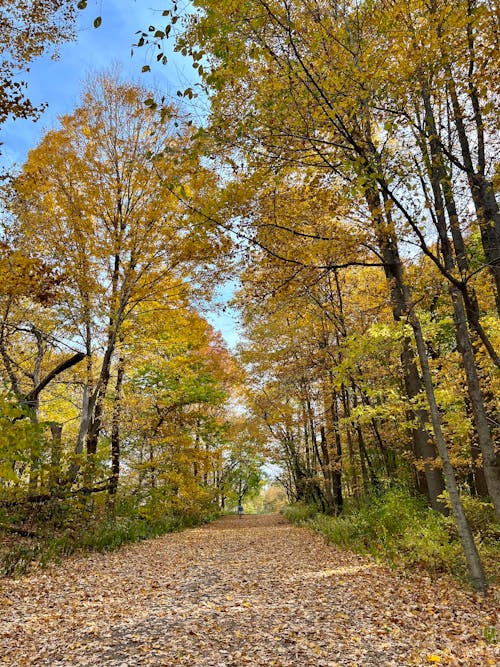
x,y
476,570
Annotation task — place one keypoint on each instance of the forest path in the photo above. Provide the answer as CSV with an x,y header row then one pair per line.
x,y
250,591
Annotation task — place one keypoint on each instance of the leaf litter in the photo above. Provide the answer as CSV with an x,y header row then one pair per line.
x,y
250,591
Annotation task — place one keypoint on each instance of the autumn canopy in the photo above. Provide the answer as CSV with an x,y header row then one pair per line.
x,y
345,177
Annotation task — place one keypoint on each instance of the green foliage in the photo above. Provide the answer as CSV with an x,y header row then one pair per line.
x,y
20,440
481,517
272,498
490,634
300,512
17,560
79,531
400,530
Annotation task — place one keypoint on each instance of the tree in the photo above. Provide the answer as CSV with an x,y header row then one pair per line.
x,y
98,198
239,475
174,418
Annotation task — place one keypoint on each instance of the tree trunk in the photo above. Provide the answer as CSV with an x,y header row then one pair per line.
x,y
491,459
442,188
82,432
386,454
481,189
55,455
476,570
115,433
440,184
350,446
337,461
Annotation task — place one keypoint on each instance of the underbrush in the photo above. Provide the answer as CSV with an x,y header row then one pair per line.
x,y
69,531
400,530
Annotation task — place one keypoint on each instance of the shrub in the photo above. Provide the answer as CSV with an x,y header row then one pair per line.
x,y
400,530
481,516
299,512
94,534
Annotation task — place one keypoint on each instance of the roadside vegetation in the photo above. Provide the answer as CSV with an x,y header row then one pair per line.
x,y
401,531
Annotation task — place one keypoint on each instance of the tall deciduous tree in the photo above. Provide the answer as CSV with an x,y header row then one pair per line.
x,y
98,198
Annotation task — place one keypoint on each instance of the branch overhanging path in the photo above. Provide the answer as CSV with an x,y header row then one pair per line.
x,y
250,591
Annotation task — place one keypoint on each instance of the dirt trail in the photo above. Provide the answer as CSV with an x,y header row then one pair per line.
x,y
251,591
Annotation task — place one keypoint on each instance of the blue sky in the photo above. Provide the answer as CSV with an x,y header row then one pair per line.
x,y
59,83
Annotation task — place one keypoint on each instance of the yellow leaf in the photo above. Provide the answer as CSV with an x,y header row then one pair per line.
x,y
433,659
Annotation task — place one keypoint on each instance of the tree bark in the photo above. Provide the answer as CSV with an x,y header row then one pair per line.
x,y
491,459
115,433
481,189
55,455
476,570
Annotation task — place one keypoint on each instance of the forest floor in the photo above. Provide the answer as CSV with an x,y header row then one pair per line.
x,y
251,591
